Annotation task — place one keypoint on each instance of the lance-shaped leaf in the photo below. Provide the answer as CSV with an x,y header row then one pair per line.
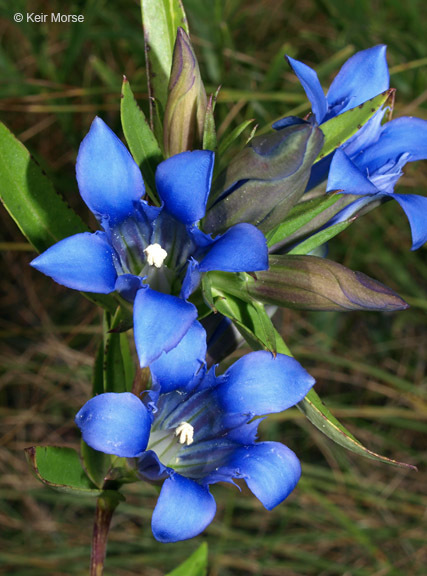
x,y
195,565
160,20
312,283
186,104
265,180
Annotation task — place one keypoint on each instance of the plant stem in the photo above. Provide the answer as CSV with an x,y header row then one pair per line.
x,y
105,506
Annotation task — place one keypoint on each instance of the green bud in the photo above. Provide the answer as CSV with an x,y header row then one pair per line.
x,y
186,104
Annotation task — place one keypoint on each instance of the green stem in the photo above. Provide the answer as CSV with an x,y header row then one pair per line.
x,y
105,507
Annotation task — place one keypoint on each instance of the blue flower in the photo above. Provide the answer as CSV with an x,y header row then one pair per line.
x,y
363,76
151,256
373,171
194,429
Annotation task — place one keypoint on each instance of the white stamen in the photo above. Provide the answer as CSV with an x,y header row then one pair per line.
x,y
185,433
155,255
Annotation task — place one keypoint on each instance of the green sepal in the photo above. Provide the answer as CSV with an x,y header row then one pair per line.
x,y
142,143
195,565
341,128
160,21
60,468
228,140
209,130
227,293
184,119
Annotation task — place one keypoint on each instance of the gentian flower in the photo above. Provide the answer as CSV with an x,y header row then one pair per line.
x,y
151,256
363,76
374,171
195,428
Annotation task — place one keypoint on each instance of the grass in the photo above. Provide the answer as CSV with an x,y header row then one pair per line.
x,y
349,516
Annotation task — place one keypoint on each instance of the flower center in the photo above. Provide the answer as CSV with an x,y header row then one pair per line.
x,y
155,255
185,432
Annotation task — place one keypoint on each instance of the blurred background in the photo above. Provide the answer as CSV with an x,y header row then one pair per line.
x,y
349,516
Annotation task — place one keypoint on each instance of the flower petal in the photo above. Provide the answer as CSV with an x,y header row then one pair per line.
x,y
160,322
115,424
183,183
270,470
191,279
82,262
314,91
400,136
183,510
415,208
362,77
243,248
108,177
260,384
346,177
177,368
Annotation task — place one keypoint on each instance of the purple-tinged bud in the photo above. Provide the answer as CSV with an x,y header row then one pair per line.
x,y
312,283
186,104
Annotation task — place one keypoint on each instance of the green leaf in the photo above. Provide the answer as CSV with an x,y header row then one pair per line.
x,y
339,129
29,197
323,419
320,238
141,141
118,367
160,19
60,468
195,565
300,215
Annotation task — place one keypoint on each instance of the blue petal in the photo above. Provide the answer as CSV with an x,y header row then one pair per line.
x,y
415,208
310,82
346,177
260,384
183,510
243,248
183,183
83,262
177,368
270,470
115,424
362,77
400,136
191,279
108,177
160,322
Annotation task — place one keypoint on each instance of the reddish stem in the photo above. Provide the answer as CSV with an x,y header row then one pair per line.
x,y
105,507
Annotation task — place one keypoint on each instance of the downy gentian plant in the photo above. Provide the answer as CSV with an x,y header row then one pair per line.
x,y
151,256
194,429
